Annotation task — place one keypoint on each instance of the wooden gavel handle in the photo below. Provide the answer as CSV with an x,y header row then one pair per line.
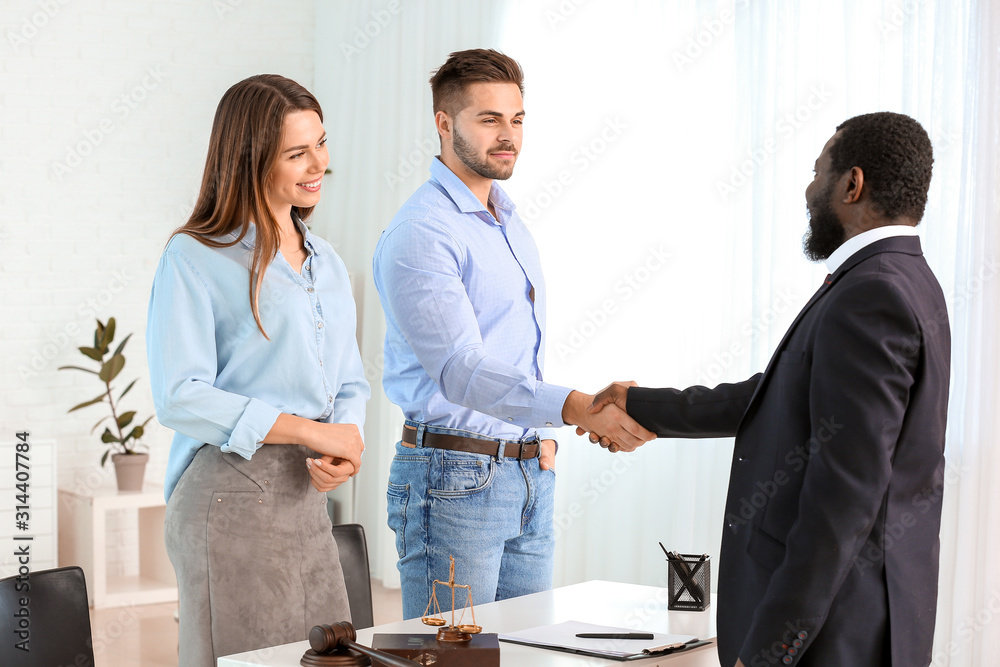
x,y
325,638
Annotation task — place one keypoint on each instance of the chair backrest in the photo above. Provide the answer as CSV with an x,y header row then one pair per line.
x,y
350,539
45,619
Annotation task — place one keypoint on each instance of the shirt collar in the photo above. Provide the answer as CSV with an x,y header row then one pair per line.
x,y
856,243
460,193
251,236
307,237
248,238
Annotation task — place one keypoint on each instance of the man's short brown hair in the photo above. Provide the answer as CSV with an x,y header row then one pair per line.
x,y
450,81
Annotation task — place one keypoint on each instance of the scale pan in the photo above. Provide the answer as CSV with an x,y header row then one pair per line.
x,y
471,629
430,620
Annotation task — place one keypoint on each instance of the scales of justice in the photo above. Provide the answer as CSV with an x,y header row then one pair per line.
x,y
455,632
454,646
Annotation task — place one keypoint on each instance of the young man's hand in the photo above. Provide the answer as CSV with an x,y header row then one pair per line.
x,y
605,420
547,457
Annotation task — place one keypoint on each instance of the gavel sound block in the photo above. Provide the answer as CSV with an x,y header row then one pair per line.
x,y
335,646
482,650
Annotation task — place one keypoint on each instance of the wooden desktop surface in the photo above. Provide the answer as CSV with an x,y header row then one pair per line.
x,y
600,602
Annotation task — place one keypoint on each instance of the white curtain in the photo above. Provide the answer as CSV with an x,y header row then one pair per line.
x,y
667,148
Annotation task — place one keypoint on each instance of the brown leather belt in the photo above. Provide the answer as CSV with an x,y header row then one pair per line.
x,y
514,450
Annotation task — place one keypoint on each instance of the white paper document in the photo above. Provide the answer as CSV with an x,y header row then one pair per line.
x,y
562,637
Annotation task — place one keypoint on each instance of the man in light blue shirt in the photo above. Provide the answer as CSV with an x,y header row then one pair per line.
x,y
461,285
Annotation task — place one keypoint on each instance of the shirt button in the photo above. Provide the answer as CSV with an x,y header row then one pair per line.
x,y
510,419
310,290
548,423
329,398
319,325
320,362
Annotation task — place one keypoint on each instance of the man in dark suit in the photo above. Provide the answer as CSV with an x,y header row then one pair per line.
x,y
830,547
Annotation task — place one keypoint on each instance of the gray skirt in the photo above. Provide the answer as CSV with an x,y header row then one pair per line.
x,y
254,554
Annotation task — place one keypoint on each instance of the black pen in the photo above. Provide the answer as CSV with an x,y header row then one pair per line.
x,y
626,635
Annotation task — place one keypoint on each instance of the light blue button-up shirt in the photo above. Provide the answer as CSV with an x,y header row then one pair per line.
x,y
464,304
216,379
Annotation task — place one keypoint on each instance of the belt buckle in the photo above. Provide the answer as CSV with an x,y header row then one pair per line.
x,y
531,441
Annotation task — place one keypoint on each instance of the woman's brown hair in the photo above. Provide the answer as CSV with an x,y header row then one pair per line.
x,y
242,150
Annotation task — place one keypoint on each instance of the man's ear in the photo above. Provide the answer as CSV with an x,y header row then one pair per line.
x,y
853,186
444,124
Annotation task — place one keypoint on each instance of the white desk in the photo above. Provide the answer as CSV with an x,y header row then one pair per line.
x,y
600,602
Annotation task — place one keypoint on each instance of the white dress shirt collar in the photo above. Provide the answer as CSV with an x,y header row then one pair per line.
x,y
856,243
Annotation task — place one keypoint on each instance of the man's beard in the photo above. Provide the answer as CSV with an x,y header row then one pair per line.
x,y
825,234
467,154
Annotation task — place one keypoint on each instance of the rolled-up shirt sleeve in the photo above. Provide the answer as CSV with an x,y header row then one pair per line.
x,y
181,351
421,282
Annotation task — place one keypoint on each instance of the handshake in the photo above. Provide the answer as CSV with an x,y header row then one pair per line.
x,y
603,416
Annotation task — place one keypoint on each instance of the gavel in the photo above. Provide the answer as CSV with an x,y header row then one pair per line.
x,y
332,645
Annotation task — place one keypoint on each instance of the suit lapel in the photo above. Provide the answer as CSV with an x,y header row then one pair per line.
x,y
827,284
905,244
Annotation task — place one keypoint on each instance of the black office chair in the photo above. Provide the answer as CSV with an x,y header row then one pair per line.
x,y
49,611
353,548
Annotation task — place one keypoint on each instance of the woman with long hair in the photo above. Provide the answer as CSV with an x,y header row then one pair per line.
x,y
255,365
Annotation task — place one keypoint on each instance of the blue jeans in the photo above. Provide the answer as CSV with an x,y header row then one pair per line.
x,y
494,515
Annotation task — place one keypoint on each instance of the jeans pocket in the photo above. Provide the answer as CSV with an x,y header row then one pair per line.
x,y
397,497
464,476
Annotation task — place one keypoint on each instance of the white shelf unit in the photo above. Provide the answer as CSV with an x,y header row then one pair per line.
x,y
43,511
83,541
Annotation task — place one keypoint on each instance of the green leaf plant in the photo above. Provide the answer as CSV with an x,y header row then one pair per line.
x,y
108,369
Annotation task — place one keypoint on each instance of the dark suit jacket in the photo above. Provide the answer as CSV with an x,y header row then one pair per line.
x,y
830,548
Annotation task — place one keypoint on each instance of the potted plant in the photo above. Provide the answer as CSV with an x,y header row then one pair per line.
x,y
130,465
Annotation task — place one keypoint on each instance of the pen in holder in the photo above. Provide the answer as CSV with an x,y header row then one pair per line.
x,y
689,581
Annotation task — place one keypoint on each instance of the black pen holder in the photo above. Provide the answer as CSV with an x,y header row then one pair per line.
x,y
689,582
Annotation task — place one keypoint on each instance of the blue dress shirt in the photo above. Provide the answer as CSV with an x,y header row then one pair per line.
x,y
464,304
216,379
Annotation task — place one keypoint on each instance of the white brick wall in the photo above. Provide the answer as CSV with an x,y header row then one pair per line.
x,y
105,112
